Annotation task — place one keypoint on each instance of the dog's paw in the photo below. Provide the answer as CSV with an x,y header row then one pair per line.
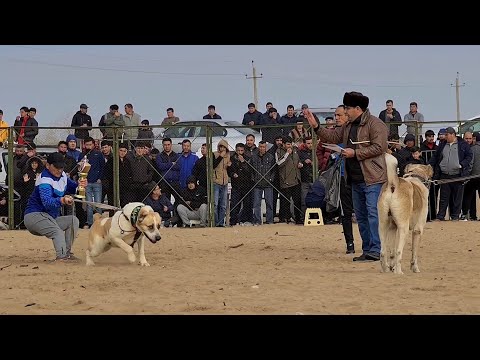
x,y
144,264
131,257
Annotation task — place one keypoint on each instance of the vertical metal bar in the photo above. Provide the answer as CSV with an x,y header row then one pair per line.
x,y
116,165
10,180
210,188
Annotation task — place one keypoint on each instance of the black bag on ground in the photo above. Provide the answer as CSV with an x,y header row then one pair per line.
x,y
330,179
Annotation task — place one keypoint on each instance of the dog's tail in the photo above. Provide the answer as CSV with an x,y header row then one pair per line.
x,y
392,177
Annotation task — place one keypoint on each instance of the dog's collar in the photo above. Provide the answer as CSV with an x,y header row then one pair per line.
x,y
133,215
425,181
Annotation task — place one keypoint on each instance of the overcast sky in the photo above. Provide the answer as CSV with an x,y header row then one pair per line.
x,y
57,79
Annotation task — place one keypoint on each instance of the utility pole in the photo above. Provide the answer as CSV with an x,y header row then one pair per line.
x,y
457,93
254,77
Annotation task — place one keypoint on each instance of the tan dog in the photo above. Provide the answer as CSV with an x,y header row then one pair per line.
x,y
402,206
135,222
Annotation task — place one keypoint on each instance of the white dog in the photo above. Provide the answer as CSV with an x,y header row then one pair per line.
x,y
402,206
135,222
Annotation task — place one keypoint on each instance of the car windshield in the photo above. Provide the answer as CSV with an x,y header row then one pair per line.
x,y
242,130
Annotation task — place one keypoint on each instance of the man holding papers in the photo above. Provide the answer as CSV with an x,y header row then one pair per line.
x,y
365,139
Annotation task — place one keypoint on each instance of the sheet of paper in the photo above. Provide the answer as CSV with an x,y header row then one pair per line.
x,y
333,147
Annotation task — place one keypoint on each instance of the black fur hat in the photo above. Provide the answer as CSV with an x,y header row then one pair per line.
x,y
354,99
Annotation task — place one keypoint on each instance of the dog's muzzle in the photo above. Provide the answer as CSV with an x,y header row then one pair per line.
x,y
155,239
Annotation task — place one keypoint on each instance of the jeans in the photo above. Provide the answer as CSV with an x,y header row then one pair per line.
x,y
221,198
365,199
94,193
257,202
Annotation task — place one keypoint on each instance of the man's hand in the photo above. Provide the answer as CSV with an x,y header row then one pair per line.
x,y
3,202
26,178
251,123
67,200
165,208
289,150
235,175
348,153
83,182
308,161
241,158
309,116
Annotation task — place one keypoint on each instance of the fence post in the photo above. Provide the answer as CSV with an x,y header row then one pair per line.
x,y
10,181
210,188
116,165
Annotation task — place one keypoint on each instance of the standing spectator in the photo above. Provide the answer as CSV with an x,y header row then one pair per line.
x,y
26,127
270,133
410,119
428,148
329,122
200,168
365,166
211,113
221,161
3,129
132,122
469,203
289,119
82,122
263,177
241,178
299,133
268,105
72,150
391,115
145,133
289,165
451,160
167,164
306,169
111,120
171,119
186,162
252,116
94,177
141,184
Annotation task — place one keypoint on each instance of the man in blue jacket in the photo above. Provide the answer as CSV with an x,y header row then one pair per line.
x,y
43,208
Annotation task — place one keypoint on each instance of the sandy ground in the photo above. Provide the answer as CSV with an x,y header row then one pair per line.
x,y
277,269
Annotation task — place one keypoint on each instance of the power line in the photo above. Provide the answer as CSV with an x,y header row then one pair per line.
x,y
120,70
96,55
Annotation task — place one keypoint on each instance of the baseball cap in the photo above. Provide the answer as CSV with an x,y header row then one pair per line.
x,y
442,131
56,159
304,106
450,130
83,106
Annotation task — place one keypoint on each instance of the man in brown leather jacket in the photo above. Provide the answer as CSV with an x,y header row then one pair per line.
x,y
365,140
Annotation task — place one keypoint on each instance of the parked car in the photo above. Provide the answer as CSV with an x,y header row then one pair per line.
x,y
472,125
42,152
195,131
320,112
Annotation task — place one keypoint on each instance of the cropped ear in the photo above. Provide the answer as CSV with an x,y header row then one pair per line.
x,y
142,214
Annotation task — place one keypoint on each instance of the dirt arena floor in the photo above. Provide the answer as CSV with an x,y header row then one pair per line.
x,y
271,269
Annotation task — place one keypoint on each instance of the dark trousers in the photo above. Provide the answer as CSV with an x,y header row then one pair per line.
x,y
240,204
454,191
294,193
347,208
470,198
432,202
